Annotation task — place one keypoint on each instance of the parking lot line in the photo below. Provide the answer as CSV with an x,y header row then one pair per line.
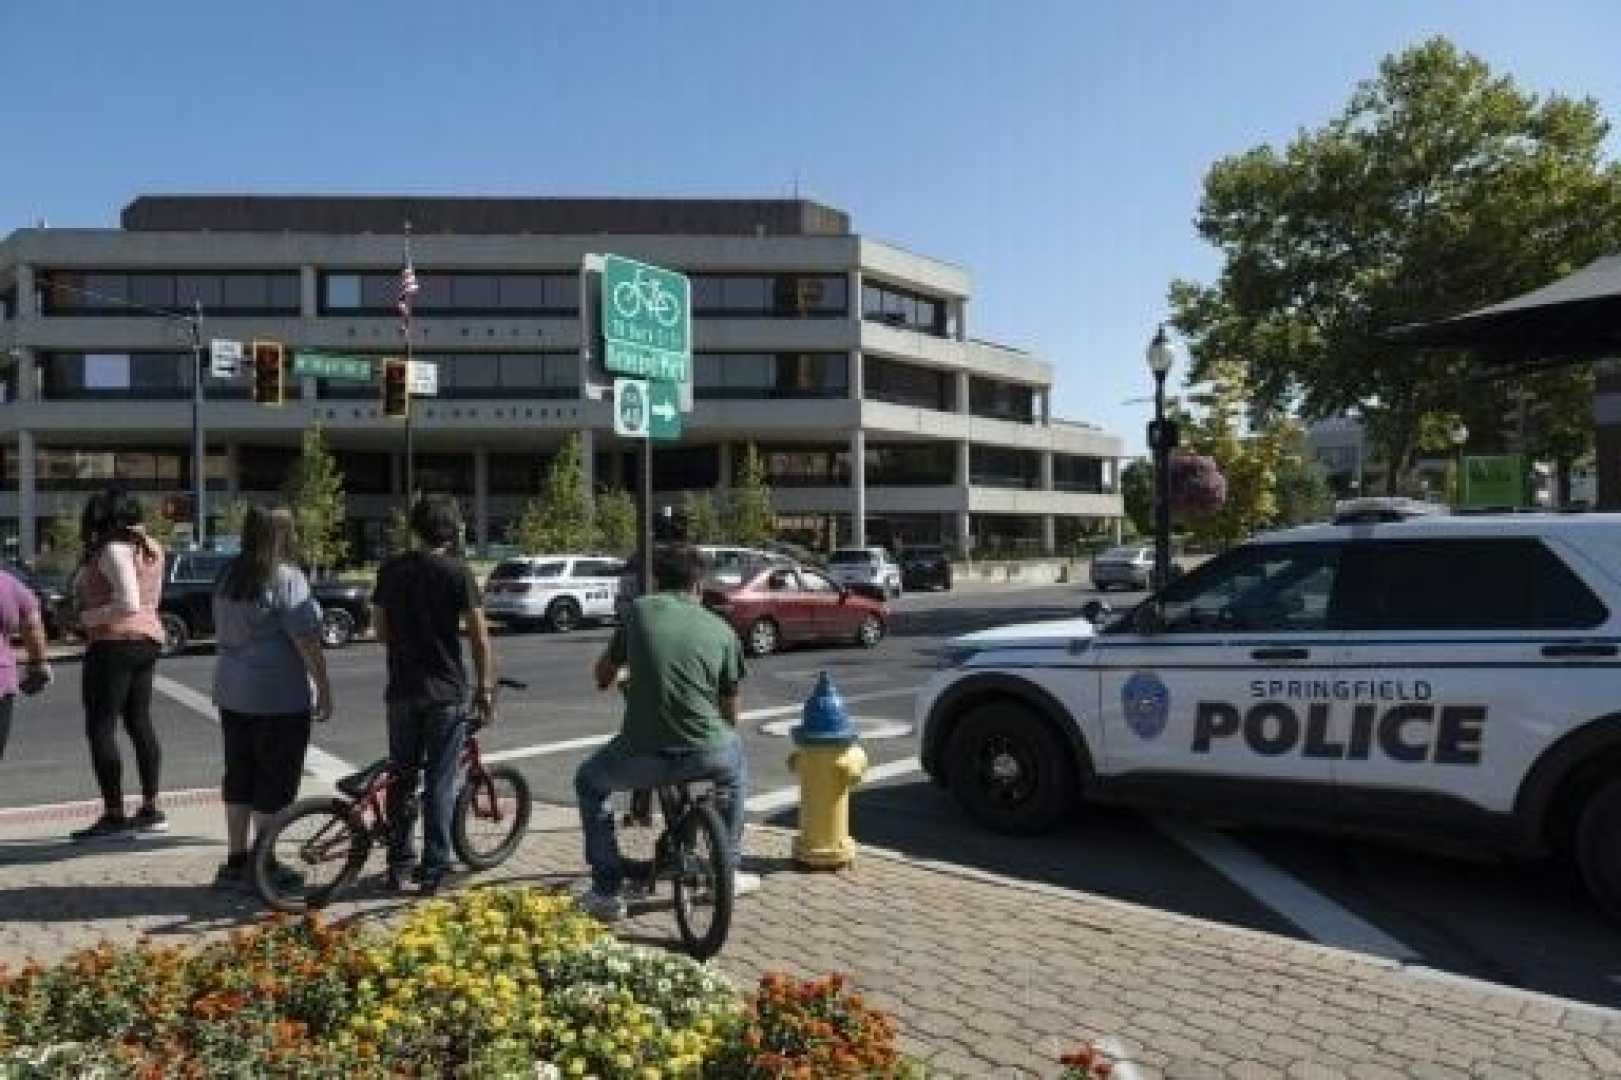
x,y
1326,921
849,699
768,802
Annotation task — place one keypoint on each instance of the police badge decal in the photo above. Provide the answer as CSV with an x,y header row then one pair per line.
x,y
1146,702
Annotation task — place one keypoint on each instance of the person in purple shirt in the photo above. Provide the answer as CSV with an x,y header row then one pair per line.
x,y
19,616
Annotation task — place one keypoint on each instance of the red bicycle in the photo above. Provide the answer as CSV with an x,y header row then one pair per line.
x,y
315,848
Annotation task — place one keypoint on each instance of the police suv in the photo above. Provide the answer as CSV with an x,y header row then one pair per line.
x,y
1441,674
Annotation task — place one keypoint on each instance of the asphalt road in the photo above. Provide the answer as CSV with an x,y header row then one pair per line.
x,y
1524,925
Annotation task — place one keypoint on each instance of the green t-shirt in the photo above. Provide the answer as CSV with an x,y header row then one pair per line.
x,y
683,660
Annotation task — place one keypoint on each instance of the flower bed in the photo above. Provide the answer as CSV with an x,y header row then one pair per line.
x,y
494,983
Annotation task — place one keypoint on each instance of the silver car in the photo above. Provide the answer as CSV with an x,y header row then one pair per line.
x,y
1129,567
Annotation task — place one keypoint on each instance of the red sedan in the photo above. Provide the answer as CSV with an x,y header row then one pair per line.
x,y
781,605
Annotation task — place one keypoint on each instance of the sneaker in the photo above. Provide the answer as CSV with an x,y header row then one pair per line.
x,y
232,876
604,907
744,883
149,819
429,881
106,827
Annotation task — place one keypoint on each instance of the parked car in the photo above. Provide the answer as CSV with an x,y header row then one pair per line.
x,y
789,605
1129,567
186,606
555,591
52,594
866,567
730,565
925,566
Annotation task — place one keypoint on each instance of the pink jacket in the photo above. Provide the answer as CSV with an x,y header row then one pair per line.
x,y
119,591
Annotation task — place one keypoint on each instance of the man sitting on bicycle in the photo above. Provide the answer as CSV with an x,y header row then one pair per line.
x,y
681,707
422,599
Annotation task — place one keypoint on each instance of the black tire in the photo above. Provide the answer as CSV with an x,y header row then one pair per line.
x,y
703,882
176,634
1010,771
309,834
563,615
1598,847
337,628
764,637
491,817
870,631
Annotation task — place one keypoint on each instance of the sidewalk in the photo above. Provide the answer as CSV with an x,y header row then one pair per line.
x,y
987,977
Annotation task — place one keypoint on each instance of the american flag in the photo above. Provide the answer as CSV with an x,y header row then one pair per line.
x,y
408,280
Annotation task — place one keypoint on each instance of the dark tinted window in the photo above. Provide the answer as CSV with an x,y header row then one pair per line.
x,y
1283,587
1512,583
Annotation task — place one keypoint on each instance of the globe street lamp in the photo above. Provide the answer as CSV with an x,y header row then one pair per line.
x,y
1460,435
1162,437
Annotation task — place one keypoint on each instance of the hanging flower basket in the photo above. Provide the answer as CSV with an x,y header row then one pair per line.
x,y
1197,486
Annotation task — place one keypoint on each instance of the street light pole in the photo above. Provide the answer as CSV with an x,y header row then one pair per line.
x,y
1460,435
1161,438
199,508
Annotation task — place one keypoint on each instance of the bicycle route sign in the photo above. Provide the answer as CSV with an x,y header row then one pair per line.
x,y
646,321
631,414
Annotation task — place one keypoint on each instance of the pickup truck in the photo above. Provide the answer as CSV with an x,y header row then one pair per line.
x,y
186,606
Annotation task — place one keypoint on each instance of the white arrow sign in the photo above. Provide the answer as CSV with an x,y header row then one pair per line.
x,y
664,411
224,358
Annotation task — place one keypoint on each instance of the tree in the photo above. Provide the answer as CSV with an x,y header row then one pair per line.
x,y
159,526
702,518
1303,493
1247,459
233,516
562,518
616,522
1440,187
1137,491
62,547
397,534
1560,415
314,494
750,520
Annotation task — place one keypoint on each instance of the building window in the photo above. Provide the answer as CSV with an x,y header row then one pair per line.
x,y
998,466
770,296
148,376
997,400
686,468
139,293
517,474
447,293
364,473
771,375
908,384
912,464
264,468
479,376
901,308
798,466
167,469
1072,473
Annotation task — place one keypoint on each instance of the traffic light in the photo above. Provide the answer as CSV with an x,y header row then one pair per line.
x,y
269,377
396,396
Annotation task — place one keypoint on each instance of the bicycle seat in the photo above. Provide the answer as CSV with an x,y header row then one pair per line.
x,y
355,784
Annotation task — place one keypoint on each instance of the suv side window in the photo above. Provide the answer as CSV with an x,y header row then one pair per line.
x,y
596,568
192,569
1265,588
1467,583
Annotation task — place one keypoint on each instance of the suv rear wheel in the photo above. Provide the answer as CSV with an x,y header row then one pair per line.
x,y
562,616
1598,847
337,628
1009,770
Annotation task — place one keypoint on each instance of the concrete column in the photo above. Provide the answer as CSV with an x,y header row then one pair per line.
x,y
961,392
27,374
27,498
309,297
724,453
1119,530
1046,470
1046,406
26,300
962,470
481,496
588,458
1049,534
233,471
858,488
965,540
962,319
857,378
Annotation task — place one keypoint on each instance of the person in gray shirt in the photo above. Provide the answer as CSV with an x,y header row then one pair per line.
x,y
267,624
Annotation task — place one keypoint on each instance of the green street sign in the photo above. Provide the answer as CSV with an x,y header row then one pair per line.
x,y
646,320
314,365
1493,480
664,409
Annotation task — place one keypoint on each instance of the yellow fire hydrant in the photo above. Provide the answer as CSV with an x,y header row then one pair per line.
x,y
829,764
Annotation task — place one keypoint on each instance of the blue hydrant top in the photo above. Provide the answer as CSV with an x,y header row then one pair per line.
x,y
824,720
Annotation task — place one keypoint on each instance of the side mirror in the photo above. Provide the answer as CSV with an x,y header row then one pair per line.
x,y
1148,618
1096,612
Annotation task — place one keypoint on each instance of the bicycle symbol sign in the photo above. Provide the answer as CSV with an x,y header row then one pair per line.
x,y
646,320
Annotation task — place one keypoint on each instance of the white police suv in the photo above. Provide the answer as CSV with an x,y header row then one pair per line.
x,y
557,591
1453,675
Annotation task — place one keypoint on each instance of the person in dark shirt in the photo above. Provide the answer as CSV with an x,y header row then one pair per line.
x,y
422,601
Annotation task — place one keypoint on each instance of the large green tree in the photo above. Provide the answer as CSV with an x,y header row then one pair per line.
x,y
1439,187
1248,459
616,522
1301,489
1137,491
563,518
749,516
702,518
314,493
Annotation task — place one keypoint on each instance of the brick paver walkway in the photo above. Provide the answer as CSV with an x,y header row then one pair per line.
x,y
987,978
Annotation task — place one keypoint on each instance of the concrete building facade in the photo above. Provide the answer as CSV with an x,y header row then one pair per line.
x,y
820,347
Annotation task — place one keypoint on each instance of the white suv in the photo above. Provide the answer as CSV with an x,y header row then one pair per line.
x,y
869,566
1448,675
558,591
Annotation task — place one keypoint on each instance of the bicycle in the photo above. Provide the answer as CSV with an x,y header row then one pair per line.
x,y
692,850
646,291
490,818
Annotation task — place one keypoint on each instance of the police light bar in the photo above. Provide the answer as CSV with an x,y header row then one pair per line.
x,y
1383,508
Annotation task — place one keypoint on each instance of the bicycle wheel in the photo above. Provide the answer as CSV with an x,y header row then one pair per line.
x,y
307,853
703,882
627,299
492,815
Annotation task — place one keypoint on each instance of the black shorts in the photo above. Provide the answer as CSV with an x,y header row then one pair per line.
x,y
264,758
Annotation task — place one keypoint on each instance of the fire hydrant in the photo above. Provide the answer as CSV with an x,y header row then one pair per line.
x,y
828,763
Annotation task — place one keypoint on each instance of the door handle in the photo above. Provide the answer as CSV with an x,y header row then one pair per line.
x,y
1579,649
1280,654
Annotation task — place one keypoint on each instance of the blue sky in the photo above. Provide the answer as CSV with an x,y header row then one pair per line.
x,y
1055,149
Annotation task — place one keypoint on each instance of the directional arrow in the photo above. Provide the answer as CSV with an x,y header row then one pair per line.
x,y
664,411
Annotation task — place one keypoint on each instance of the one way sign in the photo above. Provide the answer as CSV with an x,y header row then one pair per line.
x,y
664,405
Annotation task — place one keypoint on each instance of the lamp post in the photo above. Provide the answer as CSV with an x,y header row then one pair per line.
x,y
1459,435
1162,437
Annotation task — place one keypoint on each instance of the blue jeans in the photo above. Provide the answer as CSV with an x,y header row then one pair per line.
x,y
424,739
612,768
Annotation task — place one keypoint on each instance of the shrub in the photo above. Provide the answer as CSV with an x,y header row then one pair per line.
x,y
811,1029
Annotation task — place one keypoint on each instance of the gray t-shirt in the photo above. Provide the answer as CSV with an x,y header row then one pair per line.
x,y
258,670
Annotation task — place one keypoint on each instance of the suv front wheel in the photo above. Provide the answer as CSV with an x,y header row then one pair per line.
x,y
1598,847
176,634
1010,771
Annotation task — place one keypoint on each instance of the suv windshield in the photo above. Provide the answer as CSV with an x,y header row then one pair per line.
x,y
847,558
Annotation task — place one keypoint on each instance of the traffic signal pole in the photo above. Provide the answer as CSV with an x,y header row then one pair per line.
x,y
199,510
646,508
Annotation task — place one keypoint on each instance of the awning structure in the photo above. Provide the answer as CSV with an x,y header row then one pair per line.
x,y
1577,317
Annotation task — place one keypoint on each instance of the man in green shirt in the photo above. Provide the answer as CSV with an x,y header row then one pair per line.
x,y
682,701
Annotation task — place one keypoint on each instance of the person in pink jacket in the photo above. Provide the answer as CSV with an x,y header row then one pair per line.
x,y
117,587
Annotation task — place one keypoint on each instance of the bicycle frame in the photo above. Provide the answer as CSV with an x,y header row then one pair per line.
x,y
372,802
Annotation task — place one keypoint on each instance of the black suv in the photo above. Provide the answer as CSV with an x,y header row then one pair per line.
x,y
51,594
187,604
925,566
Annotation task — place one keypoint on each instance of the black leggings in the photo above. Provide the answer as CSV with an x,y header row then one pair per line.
x,y
118,681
